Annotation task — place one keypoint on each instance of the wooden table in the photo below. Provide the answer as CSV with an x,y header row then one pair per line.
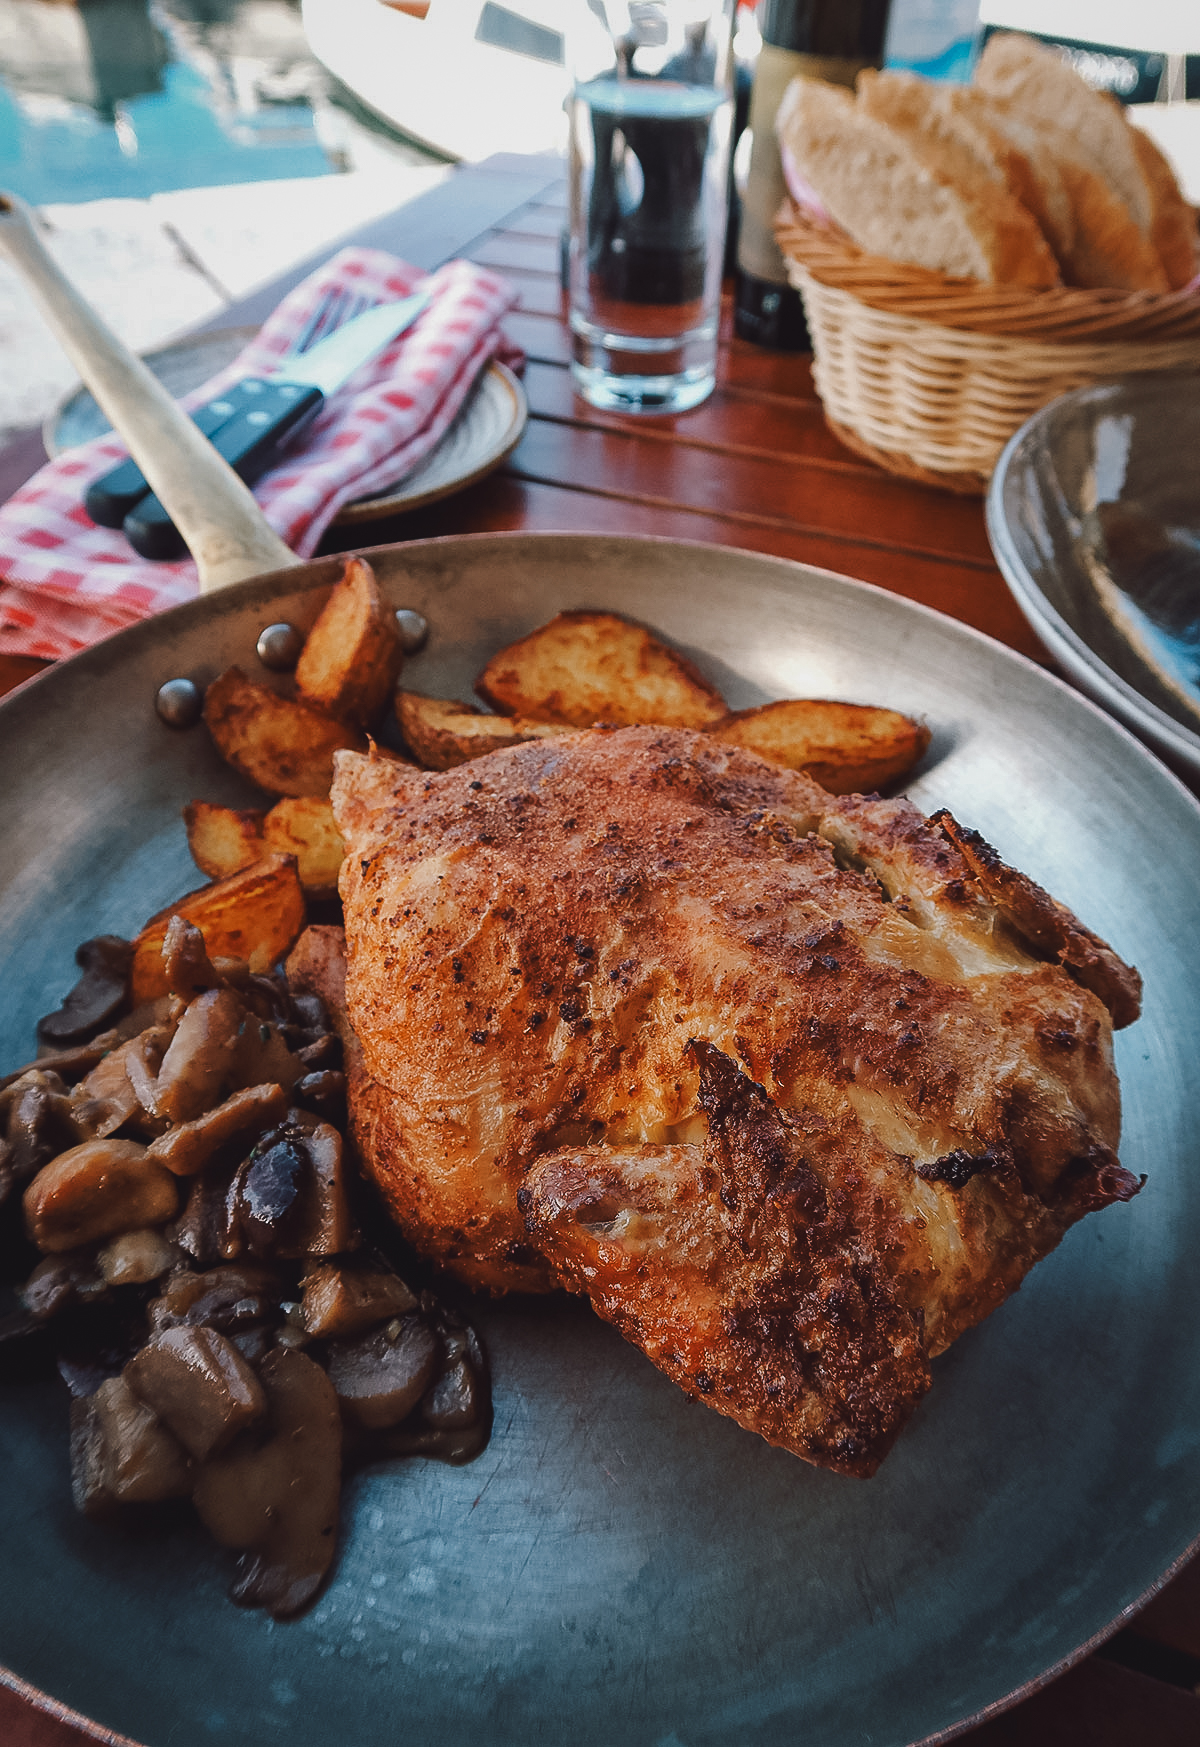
x,y
755,467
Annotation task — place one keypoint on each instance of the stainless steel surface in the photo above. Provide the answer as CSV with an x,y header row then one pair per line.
x,y
622,1566
1118,458
414,630
278,647
179,703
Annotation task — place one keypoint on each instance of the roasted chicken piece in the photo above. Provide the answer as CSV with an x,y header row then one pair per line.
x,y
794,1087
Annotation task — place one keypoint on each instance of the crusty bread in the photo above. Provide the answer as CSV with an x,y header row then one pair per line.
x,y
921,109
962,132
953,126
1109,249
1025,178
1047,89
1031,170
898,197
1103,245
1173,221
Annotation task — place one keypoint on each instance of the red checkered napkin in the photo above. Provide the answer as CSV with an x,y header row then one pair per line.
x,y
65,583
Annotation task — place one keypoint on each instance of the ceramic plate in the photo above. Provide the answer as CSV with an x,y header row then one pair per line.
x,y
622,1567
485,432
1094,517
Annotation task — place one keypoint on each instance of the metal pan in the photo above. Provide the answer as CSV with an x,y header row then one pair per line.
x,y
622,1566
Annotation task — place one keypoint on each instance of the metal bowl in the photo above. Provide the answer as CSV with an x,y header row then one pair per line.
x,y
1094,518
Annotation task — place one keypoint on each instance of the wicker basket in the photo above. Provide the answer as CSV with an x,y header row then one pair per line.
x,y
930,376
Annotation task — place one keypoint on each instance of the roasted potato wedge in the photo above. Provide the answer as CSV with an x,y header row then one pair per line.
x,y
847,748
351,657
285,745
442,734
302,825
256,914
223,839
583,668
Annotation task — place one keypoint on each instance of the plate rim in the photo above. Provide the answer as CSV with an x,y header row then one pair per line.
x,y
1141,714
392,500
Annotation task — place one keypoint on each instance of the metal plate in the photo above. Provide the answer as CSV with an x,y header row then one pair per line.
x,y
1130,445
623,1568
485,431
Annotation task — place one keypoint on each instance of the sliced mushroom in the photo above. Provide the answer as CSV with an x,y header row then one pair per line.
x,y
224,1298
99,997
39,1123
186,963
187,1148
68,1064
242,1302
134,1258
339,1301
453,1402
268,1195
309,1016
89,1489
262,1055
325,1051
142,1060
288,1199
324,1094
199,1385
60,1282
266,995
278,1500
381,1377
204,1230
95,1190
331,1231
106,1099
200,1061
126,1451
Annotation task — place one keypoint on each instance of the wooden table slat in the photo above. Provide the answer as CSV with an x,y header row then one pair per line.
x,y
762,489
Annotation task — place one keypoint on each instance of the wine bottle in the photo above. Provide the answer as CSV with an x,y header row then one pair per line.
x,y
825,39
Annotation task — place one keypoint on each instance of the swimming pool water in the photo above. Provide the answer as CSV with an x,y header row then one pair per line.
x,y
136,97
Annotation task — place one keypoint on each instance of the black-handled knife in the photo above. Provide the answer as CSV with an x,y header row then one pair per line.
x,y
251,421
250,440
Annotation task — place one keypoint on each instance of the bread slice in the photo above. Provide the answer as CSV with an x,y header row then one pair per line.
x,y
1092,232
1045,88
952,126
902,199
1173,222
1031,170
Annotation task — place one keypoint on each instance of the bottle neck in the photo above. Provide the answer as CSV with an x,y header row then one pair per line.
x,y
758,252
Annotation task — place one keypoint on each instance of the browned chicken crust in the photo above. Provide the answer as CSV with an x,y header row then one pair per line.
x,y
796,1088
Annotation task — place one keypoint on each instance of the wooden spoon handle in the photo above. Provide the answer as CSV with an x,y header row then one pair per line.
x,y
215,512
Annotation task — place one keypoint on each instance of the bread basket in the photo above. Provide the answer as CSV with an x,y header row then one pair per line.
x,y
930,376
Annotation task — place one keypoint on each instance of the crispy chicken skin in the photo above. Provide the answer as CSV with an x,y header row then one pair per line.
x,y
795,1088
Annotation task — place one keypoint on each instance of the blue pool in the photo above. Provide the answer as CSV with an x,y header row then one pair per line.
x,y
135,97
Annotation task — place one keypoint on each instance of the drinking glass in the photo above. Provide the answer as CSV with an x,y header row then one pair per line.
x,y
651,110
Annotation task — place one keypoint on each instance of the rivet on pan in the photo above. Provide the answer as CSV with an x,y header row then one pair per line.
x,y
414,629
179,703
279,647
